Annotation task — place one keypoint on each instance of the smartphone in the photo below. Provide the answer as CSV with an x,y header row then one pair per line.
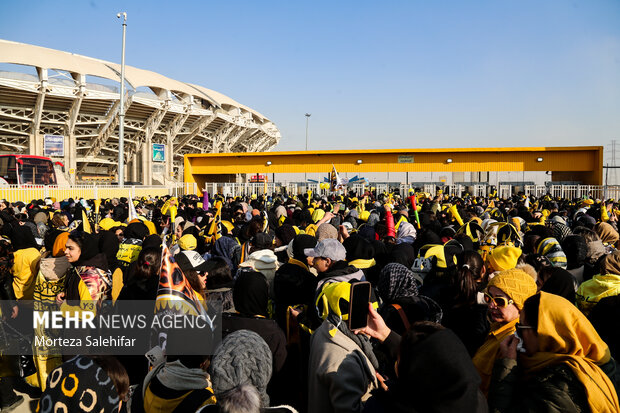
x,y
358,305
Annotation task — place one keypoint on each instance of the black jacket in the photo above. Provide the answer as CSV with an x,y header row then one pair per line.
x,y
293,285
267,329
553,389
470,324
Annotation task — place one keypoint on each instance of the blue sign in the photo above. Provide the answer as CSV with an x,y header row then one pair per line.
x,y
159,153
54,145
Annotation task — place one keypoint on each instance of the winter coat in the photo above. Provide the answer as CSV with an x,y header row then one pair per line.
x,y
25,269
267,329
293,284
553,389
341,377
49,283
604,317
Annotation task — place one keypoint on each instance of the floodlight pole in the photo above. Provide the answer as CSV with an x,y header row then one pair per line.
x,y
121,114
307,119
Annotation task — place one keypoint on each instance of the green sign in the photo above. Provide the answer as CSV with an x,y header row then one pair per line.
x,y
159,153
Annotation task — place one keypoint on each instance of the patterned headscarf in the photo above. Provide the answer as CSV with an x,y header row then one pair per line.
x,y
79,385
397,281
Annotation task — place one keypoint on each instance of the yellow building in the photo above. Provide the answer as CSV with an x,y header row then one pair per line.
x,y
582,164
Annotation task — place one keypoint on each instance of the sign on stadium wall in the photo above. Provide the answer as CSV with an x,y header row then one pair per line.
x,y
159,153
54,146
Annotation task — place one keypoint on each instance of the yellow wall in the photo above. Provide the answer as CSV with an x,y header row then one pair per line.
x,y
585,163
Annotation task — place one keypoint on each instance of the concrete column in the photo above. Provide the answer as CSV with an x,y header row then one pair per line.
x,y
169,158
147,154
134,168
72,151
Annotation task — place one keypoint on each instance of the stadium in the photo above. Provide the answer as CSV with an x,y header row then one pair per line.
x,y
66,106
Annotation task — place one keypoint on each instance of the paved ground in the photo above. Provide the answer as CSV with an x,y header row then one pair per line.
x,y
31,398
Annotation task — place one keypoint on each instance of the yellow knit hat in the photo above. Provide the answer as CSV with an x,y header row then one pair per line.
x,y
504,257
515,283
364,215
107,223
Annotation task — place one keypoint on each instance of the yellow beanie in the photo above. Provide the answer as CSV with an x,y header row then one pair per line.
x,y
504,258
150,226
187,242
515,283
317,215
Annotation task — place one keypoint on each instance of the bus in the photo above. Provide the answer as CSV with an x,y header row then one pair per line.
x,y
27,170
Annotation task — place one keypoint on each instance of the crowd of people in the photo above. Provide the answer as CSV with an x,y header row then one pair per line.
x,y
478,304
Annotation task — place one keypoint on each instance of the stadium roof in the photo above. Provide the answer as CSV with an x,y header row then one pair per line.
x,y
187,118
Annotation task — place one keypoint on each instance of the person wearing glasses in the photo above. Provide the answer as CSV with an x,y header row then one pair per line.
x,y
505,295
558,363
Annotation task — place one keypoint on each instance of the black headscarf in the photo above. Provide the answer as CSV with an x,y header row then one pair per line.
x,y
89,247
562,283
108,244
228,249
358,248
136,230
22,237
403,254
368,232
301,242
153,240
397,281
251,293
435,374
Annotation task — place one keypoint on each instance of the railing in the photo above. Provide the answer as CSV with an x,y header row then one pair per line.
x,y
14,193
504,191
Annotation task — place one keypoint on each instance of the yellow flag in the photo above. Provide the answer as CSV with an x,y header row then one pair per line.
x,y
86,223
215,229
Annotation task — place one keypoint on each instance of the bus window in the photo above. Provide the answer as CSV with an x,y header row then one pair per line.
x,y
7,169
33,171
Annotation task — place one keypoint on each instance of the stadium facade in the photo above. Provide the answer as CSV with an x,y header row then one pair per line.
x,y
66,106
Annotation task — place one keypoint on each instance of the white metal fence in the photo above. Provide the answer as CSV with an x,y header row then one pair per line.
x,y
14,193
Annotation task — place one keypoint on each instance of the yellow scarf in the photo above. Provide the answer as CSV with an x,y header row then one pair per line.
x,y
311,229
566,336
487,353
361,264
298,263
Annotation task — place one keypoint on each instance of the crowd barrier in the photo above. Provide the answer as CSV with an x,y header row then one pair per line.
x,y
16,193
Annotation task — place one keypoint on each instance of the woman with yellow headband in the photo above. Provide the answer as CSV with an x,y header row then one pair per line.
x,y
562,363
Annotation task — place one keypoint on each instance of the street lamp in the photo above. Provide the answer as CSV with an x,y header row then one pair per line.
x,y
121,115
307,119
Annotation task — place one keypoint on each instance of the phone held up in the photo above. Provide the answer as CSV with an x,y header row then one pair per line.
x,y
358,305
